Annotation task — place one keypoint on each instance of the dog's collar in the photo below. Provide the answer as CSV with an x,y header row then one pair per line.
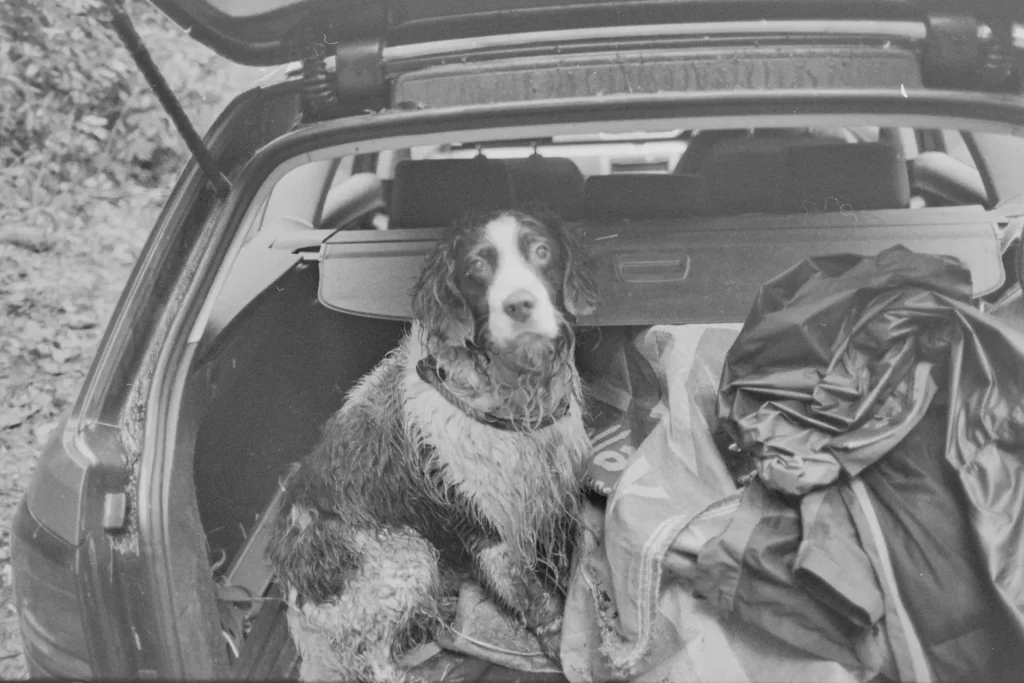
x,y
430,373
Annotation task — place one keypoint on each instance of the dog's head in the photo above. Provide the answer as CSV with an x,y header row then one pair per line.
x,y
510,283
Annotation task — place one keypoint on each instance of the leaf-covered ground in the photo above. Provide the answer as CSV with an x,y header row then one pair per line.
x,y
86,160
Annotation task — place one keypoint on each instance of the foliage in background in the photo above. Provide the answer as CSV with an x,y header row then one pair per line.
x,y
78,123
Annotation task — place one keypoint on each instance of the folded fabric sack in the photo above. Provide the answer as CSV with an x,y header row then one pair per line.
x,y
621,390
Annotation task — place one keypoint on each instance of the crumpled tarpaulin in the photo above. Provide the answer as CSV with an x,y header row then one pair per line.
x,y
796,570
879,371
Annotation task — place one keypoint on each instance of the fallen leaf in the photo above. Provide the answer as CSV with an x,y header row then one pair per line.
x,y
33,331
16,303
51,367
30,238
44,431
64,355
13,418
81,321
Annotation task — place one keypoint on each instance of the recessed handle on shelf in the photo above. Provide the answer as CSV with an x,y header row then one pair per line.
x,y
646,269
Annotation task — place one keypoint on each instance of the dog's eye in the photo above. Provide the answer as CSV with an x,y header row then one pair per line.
x,y
478,268
542,252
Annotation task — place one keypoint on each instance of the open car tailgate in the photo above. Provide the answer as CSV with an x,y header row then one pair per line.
x,y
268,32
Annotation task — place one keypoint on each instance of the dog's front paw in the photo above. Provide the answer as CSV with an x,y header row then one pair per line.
x,y
550,638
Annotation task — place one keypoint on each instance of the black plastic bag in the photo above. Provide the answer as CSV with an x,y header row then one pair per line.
x,y
842,356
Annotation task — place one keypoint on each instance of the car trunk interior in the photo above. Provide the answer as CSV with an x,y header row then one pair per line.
x,y
273,371
273,377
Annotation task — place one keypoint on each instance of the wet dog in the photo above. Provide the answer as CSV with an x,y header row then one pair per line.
x,y
460,455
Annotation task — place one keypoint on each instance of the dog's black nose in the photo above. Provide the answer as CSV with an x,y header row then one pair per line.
x,y
519,305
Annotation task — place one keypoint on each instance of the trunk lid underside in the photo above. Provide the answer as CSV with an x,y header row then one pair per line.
x,y
281,31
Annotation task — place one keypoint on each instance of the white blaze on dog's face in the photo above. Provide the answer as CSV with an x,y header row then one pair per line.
x,y
513,276
519,300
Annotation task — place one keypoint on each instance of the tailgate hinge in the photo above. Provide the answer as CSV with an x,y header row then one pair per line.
x,y
122,25
969,50
357,83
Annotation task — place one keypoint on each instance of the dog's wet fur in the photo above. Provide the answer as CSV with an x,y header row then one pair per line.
x,y
406,494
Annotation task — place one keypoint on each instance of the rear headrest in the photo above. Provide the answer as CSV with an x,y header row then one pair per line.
x,y
745,175
851,177
787,175
554,183
434,193
643,195
698,147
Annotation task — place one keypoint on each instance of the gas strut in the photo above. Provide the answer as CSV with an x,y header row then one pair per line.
x,y
122,24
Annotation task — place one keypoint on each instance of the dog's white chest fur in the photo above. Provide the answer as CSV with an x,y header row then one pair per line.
x,y
518,480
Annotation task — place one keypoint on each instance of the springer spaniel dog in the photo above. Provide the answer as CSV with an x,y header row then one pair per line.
x,y
459,456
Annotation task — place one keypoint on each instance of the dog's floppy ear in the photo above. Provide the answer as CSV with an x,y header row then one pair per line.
x,y
579,287
436,301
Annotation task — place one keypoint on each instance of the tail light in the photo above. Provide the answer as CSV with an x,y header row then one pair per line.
x,y
47,600
66,583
